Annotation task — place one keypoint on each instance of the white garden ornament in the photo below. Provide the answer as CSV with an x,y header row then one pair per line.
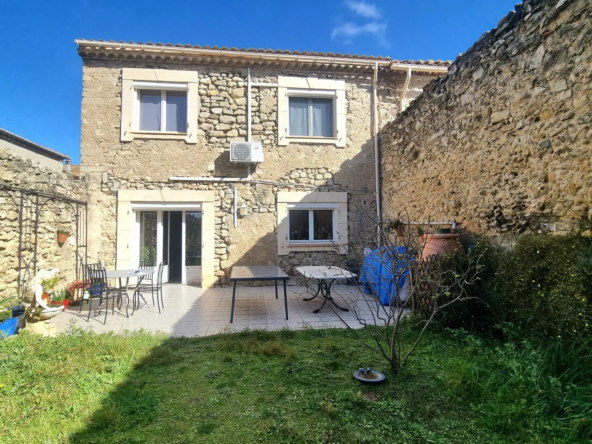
x,y
35,283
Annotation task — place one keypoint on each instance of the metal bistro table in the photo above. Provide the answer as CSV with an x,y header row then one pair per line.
x,y
325,277
259,273
127,274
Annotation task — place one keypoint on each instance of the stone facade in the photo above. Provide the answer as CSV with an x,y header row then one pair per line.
x,y
147,164
503,142
25,173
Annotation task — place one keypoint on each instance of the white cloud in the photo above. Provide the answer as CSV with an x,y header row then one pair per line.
x,y
364,9
376,27
350,30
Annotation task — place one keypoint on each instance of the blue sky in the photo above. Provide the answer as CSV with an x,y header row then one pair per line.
x,y
41,73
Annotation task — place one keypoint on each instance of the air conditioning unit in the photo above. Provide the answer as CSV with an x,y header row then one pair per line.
x,y
246,152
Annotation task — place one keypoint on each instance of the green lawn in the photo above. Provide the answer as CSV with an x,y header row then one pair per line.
x,y
256,387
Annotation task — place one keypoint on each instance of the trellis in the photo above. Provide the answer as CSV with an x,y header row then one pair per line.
x,y
30,204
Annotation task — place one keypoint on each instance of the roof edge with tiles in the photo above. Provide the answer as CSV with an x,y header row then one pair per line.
x,y
178,53
20,141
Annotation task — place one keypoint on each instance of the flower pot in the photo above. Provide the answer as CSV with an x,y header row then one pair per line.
x,y
62,237
66,303
438,244
45,297
399,231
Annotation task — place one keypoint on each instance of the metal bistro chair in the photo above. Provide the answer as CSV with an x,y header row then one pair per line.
x,y
89,286
96,290
151,286
147,283
159,284
99,288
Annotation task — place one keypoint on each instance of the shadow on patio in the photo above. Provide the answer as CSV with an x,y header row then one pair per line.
x,y
191,311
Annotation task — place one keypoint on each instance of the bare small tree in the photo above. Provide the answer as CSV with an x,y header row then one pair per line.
x,y
400,272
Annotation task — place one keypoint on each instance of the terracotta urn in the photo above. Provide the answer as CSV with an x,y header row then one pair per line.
x,y
438,244
62,237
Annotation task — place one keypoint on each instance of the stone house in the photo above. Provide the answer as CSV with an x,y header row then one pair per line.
x,y
158,122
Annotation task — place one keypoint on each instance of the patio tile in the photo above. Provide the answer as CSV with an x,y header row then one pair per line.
x,y
217,327
191,311
276,326
258,325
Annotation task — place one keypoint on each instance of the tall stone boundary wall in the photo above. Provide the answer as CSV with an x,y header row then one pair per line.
x,y
147,164
503,142
24,173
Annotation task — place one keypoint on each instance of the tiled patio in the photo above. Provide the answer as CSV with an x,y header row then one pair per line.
x,y
191,311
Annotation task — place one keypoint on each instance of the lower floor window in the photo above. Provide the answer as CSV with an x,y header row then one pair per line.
x,y
307,226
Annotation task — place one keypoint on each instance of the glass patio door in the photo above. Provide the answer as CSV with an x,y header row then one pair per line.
x,y
148,238
153,235
193,244
173,237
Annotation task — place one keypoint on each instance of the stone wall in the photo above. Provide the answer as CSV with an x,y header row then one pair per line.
x,y
24,173
503,142
148,164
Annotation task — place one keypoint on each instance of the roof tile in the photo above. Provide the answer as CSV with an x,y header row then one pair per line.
x,y
287,51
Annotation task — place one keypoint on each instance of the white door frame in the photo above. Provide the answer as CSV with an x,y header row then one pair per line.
x,y
183,270
160,208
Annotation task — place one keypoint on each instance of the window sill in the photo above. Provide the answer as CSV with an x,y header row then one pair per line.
x,y
309,139
312,245
159,135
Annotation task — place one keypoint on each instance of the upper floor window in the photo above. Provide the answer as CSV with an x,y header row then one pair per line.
x,y
311,116
311,110
161,110
159,104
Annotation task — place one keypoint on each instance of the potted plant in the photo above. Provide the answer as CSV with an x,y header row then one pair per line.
x,y
396,225
63,235
59,298
441,242
441,230
48,286
76,291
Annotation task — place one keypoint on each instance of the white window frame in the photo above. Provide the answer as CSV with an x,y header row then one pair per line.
x,y
308,94
311,87
163,88
311,209
134,79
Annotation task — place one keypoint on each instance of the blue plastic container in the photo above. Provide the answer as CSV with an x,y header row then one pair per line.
x,y
8,327
18,312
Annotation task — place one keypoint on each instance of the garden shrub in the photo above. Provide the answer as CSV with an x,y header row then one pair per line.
x,y
476,313
537,290
544,284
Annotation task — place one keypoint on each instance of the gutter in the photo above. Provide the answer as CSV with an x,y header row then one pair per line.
x,y
258,56
376,161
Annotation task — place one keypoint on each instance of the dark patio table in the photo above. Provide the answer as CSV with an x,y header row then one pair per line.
x,y
258,273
